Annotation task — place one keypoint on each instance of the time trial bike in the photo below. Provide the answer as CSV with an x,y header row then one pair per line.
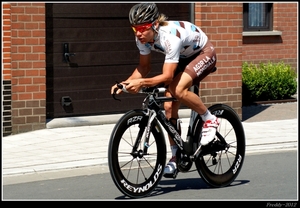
x,y
137,147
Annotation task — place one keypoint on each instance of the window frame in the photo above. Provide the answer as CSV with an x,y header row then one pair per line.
x,y
268,22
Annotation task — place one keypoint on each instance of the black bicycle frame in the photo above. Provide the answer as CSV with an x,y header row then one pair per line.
x,y
154,107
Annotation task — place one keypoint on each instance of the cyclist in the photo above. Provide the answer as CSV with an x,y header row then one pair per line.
x,y
189,57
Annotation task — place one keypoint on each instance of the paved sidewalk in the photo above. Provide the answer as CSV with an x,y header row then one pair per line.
x,y
86,144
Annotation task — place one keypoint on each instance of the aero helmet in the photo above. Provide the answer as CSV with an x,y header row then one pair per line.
x,y
143,13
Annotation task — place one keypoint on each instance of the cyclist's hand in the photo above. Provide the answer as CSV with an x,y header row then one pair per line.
x,y
134,86
115,90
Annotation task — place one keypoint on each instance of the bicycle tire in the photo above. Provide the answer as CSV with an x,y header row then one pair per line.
x,y
224,169
137,175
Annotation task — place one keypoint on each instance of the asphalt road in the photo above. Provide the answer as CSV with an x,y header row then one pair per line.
x,y
265,177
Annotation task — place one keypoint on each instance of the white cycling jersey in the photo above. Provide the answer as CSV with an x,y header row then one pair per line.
x,y
178,39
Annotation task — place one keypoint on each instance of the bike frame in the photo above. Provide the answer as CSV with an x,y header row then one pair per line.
x,y
154,110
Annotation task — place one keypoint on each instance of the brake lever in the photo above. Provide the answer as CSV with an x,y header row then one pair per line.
x,y
114,95
115,90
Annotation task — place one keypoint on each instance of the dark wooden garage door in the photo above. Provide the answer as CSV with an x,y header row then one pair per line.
x,y
88,48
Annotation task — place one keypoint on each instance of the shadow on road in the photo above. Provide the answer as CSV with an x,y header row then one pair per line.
x,y
252,110
166,186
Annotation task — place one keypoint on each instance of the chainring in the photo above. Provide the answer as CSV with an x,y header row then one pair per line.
x,y
184,163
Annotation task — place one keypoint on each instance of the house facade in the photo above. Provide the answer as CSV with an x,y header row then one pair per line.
x,y
60,60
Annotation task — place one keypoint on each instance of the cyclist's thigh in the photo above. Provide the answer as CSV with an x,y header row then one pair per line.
x,y
202,65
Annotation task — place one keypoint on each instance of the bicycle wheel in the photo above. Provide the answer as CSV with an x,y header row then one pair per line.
x,y
222,160
136,167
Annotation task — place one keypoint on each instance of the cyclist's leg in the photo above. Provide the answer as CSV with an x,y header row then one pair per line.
x,y
196,70
179,87
171,111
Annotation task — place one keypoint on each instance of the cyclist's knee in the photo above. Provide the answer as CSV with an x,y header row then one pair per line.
x,y
180,93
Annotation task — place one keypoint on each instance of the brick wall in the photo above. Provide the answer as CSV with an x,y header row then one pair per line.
x,y
223,24
27,69
276,48
24,81
6,69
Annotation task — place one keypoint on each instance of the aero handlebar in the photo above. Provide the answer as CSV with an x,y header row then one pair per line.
x,y
147,90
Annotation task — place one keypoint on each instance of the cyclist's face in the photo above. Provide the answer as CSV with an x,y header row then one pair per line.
x,y
144,32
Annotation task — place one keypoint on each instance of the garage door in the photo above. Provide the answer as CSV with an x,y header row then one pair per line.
x,y
88,48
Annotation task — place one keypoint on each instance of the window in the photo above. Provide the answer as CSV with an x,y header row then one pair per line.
x,y
258,16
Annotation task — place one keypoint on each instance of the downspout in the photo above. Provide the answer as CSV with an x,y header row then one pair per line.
x,y
192,13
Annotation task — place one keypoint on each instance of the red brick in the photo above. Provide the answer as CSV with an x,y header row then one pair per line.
x,y
38,18
38,48
25,96
17,10
18,88
32,25
32,88
17,41
32,103
17,25
39,64
39,33
24,33
18,120
31,73
25,65
39,96
25,80
32,41
25,111
18,57
24,49
18,73
39,80
24,18
31,56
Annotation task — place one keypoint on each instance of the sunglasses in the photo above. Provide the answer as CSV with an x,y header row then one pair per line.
x,y
141,28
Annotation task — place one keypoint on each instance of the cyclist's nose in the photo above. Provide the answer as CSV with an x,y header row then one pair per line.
x,y
138,33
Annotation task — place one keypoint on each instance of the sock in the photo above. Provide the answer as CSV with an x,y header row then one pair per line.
x,y
207,116
174,150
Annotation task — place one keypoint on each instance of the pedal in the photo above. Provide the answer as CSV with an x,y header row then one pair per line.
x,y
171,175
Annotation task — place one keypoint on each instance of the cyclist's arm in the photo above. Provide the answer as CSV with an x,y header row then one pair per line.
x,y
166,77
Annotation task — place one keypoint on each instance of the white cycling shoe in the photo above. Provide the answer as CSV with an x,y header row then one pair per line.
x,y
170,170
209,130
